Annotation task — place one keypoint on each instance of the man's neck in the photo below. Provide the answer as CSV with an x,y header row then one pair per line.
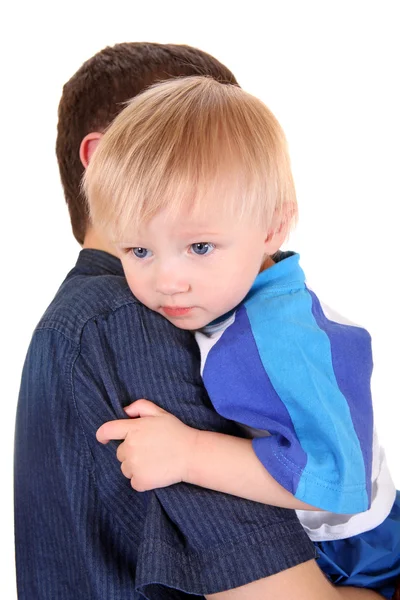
x,y
94,241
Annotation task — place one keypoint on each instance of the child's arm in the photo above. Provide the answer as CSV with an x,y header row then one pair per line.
x,y
159,450
229,464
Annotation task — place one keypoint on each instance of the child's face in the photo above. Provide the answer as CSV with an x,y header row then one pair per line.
x,y
192,270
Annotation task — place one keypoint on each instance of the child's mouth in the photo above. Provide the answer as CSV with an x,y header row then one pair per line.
x,y
176,311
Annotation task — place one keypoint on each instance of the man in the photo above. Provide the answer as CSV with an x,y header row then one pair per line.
x,y
81,531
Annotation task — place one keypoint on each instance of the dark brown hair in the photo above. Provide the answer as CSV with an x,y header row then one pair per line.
x,y
97,93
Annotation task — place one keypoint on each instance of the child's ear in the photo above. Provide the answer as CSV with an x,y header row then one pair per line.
x,y
274,240
279,230
88,146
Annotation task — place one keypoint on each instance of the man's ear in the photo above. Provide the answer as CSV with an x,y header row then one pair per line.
x,y
88,146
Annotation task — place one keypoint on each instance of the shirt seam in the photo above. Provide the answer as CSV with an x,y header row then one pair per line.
x,y
53,324
191,554
293,468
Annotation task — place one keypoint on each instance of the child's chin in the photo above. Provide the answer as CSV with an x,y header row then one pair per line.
x,y
186,326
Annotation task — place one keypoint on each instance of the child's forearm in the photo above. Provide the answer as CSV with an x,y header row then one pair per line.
x,y
229,464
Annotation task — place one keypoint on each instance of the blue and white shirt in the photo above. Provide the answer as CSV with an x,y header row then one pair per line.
x,y
298,376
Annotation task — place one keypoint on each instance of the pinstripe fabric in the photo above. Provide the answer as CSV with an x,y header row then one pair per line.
x,y
81,531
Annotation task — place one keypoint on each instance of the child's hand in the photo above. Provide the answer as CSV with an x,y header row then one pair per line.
x,y
157,446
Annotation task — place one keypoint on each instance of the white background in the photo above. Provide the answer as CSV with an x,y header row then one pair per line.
x,y
329,70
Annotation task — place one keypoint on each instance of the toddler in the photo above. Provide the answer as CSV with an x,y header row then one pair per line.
x,y
192,184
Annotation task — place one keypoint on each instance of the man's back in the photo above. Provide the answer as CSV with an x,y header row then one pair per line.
x,y
81,531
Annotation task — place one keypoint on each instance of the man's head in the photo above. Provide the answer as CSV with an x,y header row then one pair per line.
x,y
192,183
97,93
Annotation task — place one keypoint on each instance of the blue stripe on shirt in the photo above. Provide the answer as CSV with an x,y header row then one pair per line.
x,y
296,354
351,349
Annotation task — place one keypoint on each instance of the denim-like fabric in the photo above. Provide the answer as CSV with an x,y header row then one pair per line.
x,y
82,533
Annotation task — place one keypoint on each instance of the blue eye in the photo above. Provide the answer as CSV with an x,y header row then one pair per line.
x,y
141,252
202,248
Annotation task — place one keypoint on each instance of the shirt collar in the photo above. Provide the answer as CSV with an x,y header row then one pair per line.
x,y
286,272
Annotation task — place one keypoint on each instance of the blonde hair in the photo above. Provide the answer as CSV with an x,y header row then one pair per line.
x,y
185,144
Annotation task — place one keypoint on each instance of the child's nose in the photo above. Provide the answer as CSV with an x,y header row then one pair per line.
x,y
169,283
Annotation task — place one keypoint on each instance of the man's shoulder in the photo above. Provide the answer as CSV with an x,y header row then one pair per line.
x,y
81,298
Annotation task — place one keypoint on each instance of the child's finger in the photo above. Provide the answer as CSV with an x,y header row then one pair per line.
x,y
143,408
113,430
121,452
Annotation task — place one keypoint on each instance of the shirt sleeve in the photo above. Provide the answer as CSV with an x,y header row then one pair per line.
x,y
289,367
190,539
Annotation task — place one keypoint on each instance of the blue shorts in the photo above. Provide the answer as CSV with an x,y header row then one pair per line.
x,y
370,560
